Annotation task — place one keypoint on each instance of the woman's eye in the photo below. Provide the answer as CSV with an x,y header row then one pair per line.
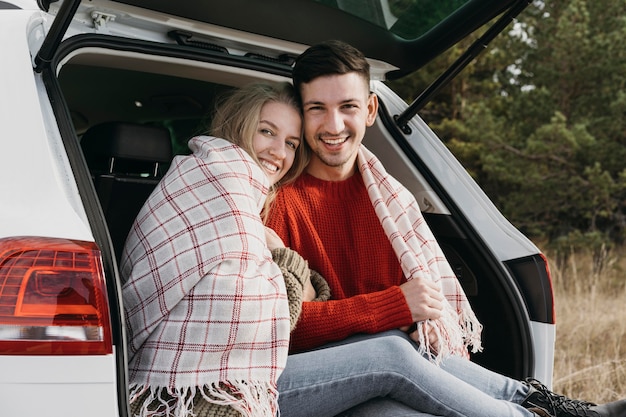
x,y
267,132
292,145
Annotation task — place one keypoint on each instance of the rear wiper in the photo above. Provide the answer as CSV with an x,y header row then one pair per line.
x,y
468,56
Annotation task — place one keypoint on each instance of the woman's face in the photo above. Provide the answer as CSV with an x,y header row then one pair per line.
x,y
276,139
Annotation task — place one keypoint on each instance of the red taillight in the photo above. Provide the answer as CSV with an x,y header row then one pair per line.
x,y
53,298
549,275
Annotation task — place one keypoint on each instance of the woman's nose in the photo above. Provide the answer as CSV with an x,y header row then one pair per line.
x,y
278,149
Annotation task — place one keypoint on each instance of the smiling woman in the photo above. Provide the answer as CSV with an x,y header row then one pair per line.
x,y
277,140
199,244
268,125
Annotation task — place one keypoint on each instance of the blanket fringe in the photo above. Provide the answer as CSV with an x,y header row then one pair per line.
x,y
244,398
454,337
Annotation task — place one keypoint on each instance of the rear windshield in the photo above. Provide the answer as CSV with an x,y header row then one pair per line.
x,y
408,19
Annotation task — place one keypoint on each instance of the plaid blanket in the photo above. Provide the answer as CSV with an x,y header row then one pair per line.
x,y
205,305
420,256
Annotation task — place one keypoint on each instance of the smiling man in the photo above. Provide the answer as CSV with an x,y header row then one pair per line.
x,y
395,336
338,108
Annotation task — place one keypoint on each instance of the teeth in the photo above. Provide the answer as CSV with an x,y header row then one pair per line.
x,y
334,142
269,166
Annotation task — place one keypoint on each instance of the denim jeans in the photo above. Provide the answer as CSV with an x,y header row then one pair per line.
x,y
384,375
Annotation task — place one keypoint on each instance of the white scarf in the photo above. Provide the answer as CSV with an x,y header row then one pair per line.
x,y
420,256
205,305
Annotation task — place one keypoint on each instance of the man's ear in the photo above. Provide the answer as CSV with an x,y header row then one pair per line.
x,y
372,109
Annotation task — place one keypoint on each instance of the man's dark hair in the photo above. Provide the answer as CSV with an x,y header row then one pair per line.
x,y
329,58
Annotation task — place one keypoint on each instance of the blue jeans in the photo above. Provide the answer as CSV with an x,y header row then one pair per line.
x,y
384,375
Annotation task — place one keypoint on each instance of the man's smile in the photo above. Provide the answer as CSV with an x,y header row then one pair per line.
x,y
333,141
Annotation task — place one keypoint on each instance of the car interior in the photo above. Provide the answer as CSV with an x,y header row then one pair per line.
x,y
126,162
132,112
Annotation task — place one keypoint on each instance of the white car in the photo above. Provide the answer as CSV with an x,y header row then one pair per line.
x,y
97,96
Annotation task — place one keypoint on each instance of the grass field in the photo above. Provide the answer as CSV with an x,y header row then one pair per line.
x,y
590,356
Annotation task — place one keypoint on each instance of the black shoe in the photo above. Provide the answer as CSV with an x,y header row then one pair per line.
x,y
545,403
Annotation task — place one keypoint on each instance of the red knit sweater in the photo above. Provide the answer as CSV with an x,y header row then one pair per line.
x,y
333,225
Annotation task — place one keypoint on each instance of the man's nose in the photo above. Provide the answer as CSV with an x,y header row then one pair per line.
x,y
334,123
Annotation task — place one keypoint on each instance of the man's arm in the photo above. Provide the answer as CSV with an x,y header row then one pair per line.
x,y
334,320
383,303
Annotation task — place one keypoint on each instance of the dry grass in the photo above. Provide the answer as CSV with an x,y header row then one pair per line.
x,y
590,357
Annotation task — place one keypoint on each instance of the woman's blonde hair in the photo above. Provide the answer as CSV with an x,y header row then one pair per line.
x,y
237,117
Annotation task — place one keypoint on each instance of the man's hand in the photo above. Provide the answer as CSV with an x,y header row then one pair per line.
x,y
424,299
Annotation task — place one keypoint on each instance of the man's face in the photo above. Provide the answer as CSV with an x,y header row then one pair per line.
x,y
337,110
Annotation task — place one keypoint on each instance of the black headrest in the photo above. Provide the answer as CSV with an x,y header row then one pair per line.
x,y
127,141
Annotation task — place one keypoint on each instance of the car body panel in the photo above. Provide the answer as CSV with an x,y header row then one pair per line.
x,y
544,338
51,207
41,199
58,386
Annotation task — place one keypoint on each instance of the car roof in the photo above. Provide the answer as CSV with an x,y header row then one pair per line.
x,y
405,34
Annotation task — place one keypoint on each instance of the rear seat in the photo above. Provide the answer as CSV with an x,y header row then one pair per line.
x,y
126,161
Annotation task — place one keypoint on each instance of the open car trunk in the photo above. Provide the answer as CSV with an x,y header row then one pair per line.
x,y
163,64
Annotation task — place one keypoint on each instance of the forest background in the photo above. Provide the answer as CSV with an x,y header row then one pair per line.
x,y
538,120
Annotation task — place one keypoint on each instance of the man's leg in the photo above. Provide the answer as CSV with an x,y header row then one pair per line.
x,y
327,382
382,407
531,395
491,383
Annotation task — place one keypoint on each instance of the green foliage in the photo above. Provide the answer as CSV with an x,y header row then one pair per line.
x,y
539,120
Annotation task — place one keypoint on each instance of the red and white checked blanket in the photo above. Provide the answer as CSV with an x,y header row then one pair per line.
x,y
420,256
206,307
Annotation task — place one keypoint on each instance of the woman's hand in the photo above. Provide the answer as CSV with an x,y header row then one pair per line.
x,y
431,335
273,240
308,291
